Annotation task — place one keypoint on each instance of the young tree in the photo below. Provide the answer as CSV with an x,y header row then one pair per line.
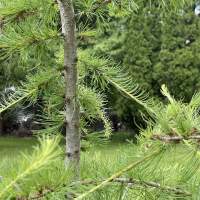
x,y
71,77
70,59
30,33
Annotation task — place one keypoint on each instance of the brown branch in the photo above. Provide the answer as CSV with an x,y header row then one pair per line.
x,y
19,16
134,182
131,182
98,5
22,15
101,4
168,138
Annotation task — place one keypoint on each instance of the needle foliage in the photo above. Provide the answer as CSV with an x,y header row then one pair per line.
x,y
31,33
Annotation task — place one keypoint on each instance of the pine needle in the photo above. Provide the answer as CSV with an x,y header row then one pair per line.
x,y
116,175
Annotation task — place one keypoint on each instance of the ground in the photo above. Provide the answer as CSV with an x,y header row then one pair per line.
x,y
98,161
10,147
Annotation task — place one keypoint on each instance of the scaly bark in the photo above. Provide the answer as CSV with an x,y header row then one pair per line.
x,y
70,72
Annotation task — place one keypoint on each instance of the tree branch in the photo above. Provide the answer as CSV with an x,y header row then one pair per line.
x,y
134,182
116,175
101,4
130,182
168,138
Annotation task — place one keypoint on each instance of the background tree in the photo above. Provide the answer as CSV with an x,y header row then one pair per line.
x,y
178,64
165,51
31,34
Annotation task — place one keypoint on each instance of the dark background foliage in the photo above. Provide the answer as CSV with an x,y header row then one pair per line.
x,y
156,49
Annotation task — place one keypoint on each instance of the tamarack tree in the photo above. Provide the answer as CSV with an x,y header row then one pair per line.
x,y
31,33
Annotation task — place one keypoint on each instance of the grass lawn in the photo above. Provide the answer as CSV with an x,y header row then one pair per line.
x,y
12,146
99,160
97,163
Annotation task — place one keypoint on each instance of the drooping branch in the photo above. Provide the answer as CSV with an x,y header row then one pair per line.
x,y
20,15
9,45
14,99
115,76
18,11
27,90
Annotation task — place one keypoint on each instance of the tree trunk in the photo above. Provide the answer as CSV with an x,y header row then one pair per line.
x,y
70,72
1,125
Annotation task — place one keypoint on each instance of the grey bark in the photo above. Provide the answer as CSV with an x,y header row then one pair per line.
x,y
167,138
1,125
70,72
1,120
